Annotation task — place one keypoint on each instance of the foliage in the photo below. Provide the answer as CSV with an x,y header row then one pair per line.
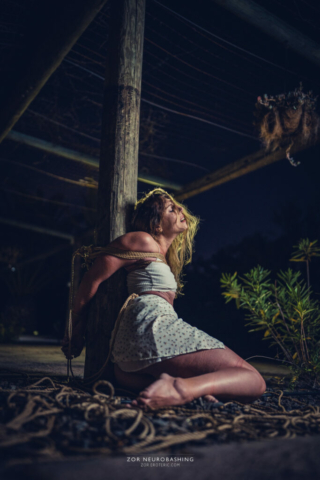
x,y
305,251
284,310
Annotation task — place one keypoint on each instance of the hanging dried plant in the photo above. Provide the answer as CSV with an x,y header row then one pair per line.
x,y
287,119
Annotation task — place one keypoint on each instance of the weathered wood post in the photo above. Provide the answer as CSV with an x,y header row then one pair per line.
x,y
118,174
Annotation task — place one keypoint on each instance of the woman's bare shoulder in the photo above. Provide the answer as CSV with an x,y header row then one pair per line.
x,y
136,242
132,241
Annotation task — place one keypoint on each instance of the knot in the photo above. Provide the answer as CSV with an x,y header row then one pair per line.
x,y
87,252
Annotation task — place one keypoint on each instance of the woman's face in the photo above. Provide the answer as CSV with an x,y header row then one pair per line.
x,y
172,218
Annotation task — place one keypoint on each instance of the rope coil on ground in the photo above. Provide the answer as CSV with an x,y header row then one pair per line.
x,y
67,419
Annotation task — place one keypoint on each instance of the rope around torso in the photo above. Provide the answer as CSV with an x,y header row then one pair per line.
x,y
98,374
89,254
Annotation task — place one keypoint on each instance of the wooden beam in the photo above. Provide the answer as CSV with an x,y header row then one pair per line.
x,y
273,26
36,228
118,172
234,170
62,23
79,157
53,148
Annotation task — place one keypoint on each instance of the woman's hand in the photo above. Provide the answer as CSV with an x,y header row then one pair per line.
x,y
77,344
77,337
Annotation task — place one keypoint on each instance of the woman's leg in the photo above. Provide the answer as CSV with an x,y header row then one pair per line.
x,y
134,381
218,372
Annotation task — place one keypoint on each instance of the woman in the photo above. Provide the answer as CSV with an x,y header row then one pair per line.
x,y
155,352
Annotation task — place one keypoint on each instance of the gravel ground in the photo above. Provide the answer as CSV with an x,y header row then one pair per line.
x,y
73,432
76,448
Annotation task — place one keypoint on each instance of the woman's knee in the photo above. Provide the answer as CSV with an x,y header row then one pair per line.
x,y
196,363
261,384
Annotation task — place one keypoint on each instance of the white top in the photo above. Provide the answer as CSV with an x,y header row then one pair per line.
x,y
157,276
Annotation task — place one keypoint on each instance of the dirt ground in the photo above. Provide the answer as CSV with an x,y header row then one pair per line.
x,y
279,459
48,359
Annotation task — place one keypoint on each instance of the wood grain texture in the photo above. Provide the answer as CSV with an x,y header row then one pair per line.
x,y
118,174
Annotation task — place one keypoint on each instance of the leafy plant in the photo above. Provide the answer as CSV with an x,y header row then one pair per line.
x,y
304,253
284,310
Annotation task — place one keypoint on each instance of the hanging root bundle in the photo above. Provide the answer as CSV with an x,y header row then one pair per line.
x,y
287,120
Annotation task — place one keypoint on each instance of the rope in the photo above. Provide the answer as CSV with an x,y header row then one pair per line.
x,y
135,430
89,254
98,374
60,418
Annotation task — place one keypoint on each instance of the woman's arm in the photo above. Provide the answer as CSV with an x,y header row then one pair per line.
x,y
104,266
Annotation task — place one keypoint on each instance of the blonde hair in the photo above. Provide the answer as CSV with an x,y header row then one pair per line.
x,y
147,217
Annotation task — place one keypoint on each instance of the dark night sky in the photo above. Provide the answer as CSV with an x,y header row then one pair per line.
x,y
246,205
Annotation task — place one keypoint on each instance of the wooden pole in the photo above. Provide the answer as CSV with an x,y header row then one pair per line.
x,y
273,26
118,172
62,23
234,170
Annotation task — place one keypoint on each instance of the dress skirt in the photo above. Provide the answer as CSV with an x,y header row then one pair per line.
x,y
151,331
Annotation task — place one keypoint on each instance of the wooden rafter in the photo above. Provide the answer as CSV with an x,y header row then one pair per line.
x,y
273,26
38,229
63,23
234,170
83,158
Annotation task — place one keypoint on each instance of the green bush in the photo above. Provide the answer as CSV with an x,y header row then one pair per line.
x,y
284,310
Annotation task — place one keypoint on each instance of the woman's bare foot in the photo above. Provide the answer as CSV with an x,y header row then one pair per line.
x,y
166,391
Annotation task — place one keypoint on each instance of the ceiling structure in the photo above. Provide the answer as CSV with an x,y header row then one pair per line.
x,y
203,69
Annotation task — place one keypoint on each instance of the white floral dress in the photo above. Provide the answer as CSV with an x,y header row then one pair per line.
x,y
151,331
